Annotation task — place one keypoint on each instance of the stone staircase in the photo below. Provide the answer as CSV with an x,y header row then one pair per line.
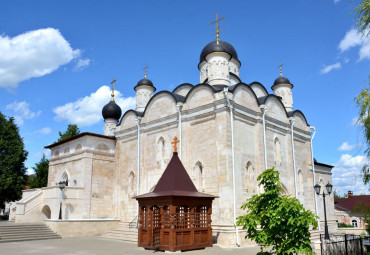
x,y
12,232
123,233
315,235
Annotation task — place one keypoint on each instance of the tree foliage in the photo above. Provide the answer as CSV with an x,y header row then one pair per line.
x,y
362,16
71,131
363,104
277,221
41,174
12,158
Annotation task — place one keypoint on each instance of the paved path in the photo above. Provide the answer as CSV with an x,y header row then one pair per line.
x,y
95,246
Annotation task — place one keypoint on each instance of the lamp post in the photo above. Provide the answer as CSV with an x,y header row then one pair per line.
x,y
62,185
329,189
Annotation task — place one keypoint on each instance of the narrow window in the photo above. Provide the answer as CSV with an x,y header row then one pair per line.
x,y
277,152
198,176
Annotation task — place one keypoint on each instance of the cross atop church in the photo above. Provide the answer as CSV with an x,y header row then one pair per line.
x,y
113,81
175,142
145,70
281,69
217,26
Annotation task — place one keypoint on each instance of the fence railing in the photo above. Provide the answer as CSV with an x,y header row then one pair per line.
x,y
133,223
344,244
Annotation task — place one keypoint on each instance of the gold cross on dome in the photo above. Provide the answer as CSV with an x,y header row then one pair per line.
x,y
113,81
217,26
281,70
175,142
145,70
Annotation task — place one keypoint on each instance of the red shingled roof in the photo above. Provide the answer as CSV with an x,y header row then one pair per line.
x,y
351,202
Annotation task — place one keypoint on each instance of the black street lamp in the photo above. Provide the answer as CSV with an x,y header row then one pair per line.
x,y
329,189
62,185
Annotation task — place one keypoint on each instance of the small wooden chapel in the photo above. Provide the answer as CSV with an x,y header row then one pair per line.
x,y
175,216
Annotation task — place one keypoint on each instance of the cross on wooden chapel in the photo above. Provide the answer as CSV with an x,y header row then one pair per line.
x,y
175,142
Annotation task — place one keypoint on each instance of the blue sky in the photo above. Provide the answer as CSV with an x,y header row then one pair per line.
x,y
57,58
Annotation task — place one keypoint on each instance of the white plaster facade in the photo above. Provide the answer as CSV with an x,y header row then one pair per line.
x,y
106,172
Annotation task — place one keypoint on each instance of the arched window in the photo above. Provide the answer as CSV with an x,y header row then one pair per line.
x,y
160,153
300,186
131,185
250,178
198,176
46,212
66,150
65,178
277,152
354,223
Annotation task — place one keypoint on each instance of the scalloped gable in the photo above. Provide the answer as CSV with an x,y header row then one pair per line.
x,y
160,105
183,89
128,120
201,94
300,121
258,89
245,96
276,109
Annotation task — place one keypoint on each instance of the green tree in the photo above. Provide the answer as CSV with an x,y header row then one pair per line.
x,y
277,221
363,104
12,158
71,131
362,16
41,174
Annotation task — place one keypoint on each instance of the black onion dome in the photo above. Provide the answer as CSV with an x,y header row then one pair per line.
x,y
281,80
221,46
112,111
145,82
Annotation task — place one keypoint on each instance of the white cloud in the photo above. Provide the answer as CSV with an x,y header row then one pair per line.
x,y
22,111
346,147
87,111
336,1
347,174
45,130
32,54
30,171
354,38
82,64
327,69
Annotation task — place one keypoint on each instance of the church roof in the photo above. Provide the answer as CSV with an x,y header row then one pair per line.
x,y
145,82
220,46
78,136
112,111
175,181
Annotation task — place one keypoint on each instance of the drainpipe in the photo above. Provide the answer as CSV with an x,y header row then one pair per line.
x,y
180,130
138,119
264,109
293,155
314,174
233,164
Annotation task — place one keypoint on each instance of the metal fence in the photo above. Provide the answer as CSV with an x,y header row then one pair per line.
x,y
342,245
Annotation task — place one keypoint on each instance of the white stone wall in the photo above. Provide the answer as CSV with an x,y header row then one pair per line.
x,y
206,141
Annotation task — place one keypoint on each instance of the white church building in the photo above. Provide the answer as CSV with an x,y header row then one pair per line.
x,y
229,133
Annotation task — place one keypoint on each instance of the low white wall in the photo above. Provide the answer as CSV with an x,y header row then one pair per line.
x,y
352,231
90,227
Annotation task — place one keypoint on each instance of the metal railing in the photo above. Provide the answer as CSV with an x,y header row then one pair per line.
x,y
133,223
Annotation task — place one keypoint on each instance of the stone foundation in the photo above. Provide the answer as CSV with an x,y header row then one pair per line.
x,y
90,227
